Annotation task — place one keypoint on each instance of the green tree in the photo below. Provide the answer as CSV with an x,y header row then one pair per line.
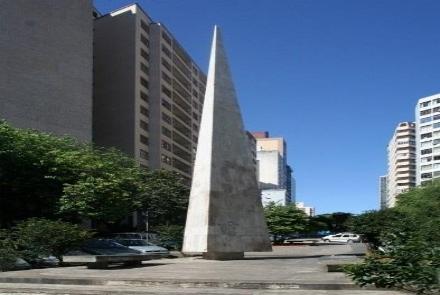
x,y
282,220
46,176
409,256
37,237
165,197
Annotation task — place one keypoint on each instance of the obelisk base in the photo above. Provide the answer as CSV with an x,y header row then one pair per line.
x,y
223,255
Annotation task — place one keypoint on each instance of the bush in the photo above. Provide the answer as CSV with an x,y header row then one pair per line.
x,y
8,253
171,236
37,238
407,240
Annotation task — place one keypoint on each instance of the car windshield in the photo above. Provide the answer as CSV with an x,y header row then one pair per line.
x,y
134,243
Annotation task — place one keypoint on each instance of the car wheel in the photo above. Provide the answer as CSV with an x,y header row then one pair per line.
x,y
327,241
350,242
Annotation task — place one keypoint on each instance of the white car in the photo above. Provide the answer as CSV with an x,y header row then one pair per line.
x,y
144,247
342,238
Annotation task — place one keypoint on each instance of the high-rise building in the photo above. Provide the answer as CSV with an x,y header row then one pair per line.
x,y
383,191
401,162
148,94
274,175
428,138
309,211
46,66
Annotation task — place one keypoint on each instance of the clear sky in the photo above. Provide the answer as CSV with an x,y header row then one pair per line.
x,y
332,77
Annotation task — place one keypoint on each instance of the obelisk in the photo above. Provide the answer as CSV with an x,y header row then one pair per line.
x,y
225,215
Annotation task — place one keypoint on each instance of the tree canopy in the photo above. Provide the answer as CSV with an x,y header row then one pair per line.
x,y
282,220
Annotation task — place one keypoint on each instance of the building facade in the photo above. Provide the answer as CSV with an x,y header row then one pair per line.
x,y
46,66
148,95
274,175
309,211
401,162
383,191
428,138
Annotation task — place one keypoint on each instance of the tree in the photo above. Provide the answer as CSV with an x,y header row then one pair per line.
x,y
42,175
409,256
165,197
282,220
38,237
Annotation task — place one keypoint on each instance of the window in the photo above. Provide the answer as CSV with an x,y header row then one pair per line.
x,y
144,96
143,154
166,91
426,151
436,158
426,159
166,145
425,167
425,112
166,159
145,27
195,116
144,83
143,139
166,78
144,68
424,120
425,104
166,104
145,41
436,110
166,38
166,132
145,54
425,144
195,127
426,135
426,175
436,117
144,111
143,125
166,64
166,51
166,118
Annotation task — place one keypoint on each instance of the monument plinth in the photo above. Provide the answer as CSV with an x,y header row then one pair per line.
x,y
225,215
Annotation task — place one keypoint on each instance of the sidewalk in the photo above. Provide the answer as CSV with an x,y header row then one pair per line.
x,y
293,269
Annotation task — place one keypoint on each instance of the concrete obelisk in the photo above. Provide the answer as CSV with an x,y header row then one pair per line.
x,y
225,216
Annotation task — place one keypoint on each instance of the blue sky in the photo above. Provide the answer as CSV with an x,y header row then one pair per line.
x,y
332,77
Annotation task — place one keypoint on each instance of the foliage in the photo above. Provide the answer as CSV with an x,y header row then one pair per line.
x,y
334,222
171,236
282,220
44,176
375,224
165,198
8,253
408,236
38,238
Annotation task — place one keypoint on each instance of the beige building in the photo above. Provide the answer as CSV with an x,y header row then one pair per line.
x,y
401,162
148,93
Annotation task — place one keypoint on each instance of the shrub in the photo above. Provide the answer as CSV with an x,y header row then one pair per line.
x,y
37,238
8,253
171,236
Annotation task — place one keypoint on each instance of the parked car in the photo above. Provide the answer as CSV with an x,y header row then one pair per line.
x,y
106,247
342,238
144,247
151,237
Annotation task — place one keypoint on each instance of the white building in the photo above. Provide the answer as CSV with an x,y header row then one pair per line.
x,y
401,162
428,138
274,175
310,211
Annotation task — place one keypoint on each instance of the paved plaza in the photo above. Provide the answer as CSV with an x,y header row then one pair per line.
x,y
287,270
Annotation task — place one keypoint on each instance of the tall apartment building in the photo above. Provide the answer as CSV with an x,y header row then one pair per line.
x,y
274,175
46,66
428,138
148,94
309,211
401,161
383,191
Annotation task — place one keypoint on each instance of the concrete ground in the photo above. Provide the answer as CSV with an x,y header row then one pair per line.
x,y
287,270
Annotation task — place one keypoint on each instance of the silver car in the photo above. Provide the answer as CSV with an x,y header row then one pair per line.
x,y
342,238
143,246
